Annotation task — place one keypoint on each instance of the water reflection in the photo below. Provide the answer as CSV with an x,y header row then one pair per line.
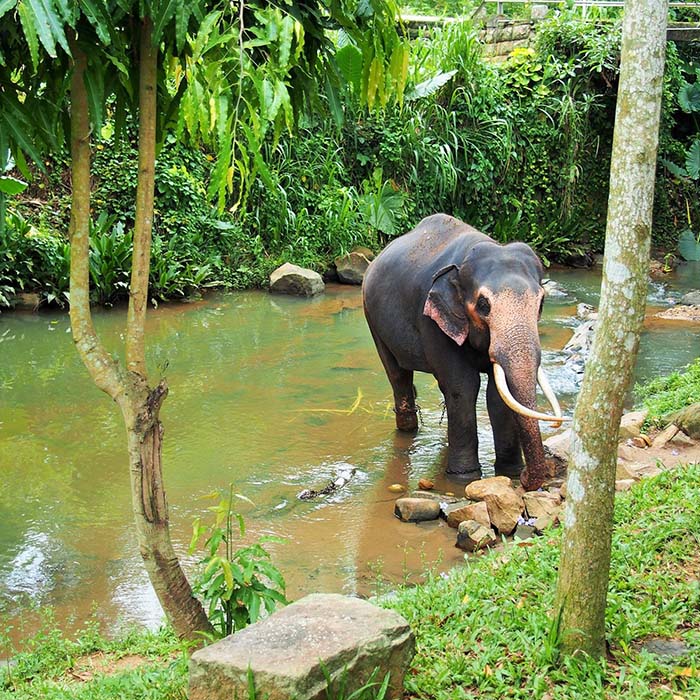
x,y
275,394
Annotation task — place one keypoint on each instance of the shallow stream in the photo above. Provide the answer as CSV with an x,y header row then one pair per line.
x,y
275,394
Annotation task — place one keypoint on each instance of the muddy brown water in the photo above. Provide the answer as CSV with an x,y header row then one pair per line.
x,y
274,394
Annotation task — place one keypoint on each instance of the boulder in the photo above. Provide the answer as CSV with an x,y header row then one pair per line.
x,y
435,496
426,484
351,268
505,505
289,653
692,298
541,503
524,532
625,470
545,523
624,484
665,436
558,445
457,513
476,490
688,420
631,424
415,510
472,536
292,279
586,312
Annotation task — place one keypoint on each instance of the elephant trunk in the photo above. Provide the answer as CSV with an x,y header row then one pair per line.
x,y
520,367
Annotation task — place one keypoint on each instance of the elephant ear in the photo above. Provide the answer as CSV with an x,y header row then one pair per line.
x,y
445,305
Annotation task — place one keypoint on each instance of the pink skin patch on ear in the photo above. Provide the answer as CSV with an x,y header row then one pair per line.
x,y
459,335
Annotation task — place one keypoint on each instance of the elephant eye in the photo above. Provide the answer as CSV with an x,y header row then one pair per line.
x,y
483,306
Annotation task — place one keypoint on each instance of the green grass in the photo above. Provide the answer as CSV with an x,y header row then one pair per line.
x,y
665,395
52,666
485,630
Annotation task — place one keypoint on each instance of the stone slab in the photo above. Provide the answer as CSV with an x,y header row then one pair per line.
x,y
286,652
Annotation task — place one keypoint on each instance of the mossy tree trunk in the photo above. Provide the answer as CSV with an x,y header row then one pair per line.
x,y
140,405
588,514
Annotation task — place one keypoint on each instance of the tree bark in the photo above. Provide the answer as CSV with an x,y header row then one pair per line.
x,y
139,404
588,515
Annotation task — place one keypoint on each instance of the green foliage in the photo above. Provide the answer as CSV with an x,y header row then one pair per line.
x,y
664,395
237,585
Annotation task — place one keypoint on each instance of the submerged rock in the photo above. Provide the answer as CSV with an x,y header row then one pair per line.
x,y
415,510
292,279
692,298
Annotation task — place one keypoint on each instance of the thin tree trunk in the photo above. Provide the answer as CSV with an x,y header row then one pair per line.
x,y
588,515
139,404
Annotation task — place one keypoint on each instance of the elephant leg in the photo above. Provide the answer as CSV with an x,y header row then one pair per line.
x,y
506,440
401,381
460,392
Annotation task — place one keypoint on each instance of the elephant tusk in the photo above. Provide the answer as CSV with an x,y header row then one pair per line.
x,y
502,385
548,392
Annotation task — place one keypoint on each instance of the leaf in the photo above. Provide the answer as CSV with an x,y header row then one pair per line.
x,y
689,98
99,19
164,12
26,19
688,246
692,160
6,6
430,86
95,88
349,61
11,185
334,103
55,23
673,168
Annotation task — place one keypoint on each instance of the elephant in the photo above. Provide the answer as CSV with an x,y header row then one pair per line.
x,y
448,300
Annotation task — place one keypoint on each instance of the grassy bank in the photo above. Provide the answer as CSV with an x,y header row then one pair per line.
x,y
483,631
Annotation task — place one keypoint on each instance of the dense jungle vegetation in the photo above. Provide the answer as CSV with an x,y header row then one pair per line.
x,y
519,149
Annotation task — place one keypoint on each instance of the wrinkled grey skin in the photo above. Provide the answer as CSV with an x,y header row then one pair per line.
x,y
448,300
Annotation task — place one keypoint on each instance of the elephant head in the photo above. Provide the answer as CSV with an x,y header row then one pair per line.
x,y
492,301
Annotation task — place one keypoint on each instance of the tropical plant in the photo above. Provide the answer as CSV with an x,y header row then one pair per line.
x,y
236,584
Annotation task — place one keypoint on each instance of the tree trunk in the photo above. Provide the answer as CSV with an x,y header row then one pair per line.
x,y
139,404
588,514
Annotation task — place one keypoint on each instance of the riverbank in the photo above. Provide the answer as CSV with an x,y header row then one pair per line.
x,y
482,630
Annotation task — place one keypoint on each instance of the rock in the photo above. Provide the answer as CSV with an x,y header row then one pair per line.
x,y
433,496
545,523
538,12
351,267
292,279
648,470
396,488
552,289
472,535
540,503
581,341
631,424
586,312
413,510
363,250
692,298
524,532
457,513
622,471
680,439
688,420
665,436
426,484
559,444
562,490
641,441
289,652
504,504
476,490
666,648
690,314
26,301
624,484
